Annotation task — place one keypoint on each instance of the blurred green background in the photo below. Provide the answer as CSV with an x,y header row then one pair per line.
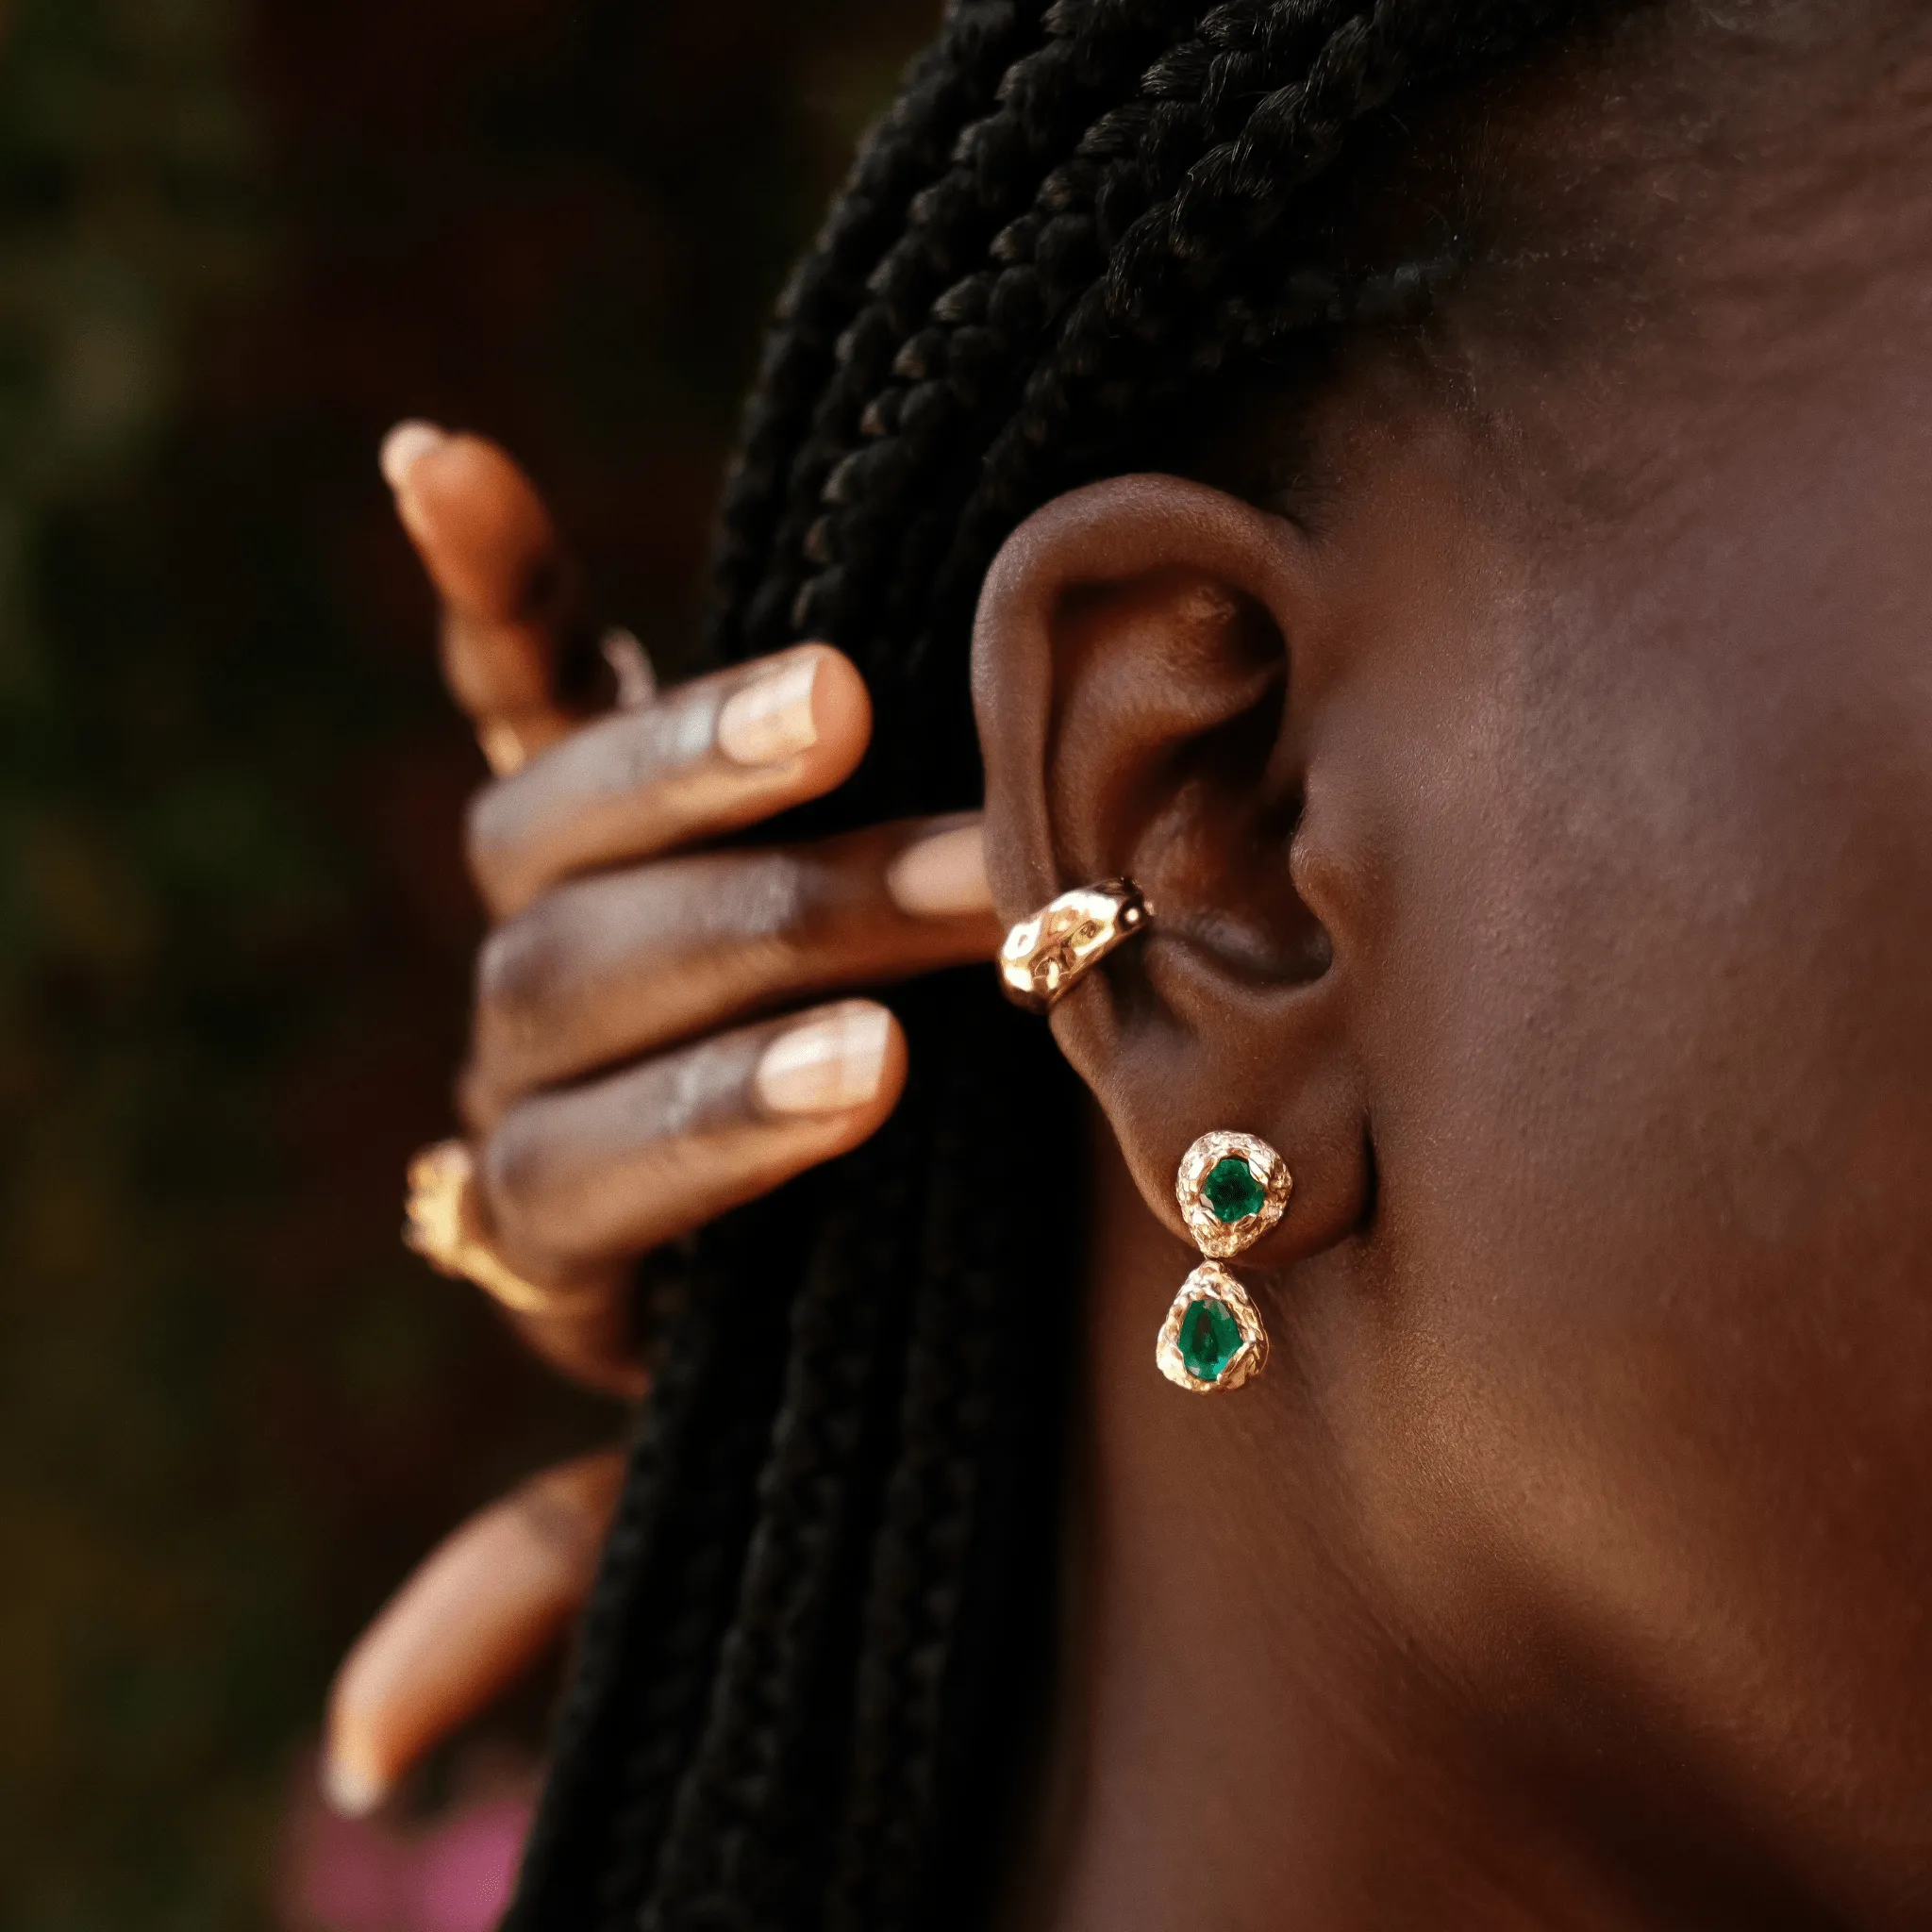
x,y
242,237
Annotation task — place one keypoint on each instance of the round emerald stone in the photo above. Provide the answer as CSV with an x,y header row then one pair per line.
x,y
1211,1338
1232,1190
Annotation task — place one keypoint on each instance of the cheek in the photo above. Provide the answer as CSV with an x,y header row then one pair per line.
x,y
1646,1310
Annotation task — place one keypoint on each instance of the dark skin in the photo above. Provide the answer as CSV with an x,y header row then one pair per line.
x,y
639,1061
1538,808
1569,1566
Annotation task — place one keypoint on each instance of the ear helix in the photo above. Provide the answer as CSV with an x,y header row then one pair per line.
x,y
1232,1188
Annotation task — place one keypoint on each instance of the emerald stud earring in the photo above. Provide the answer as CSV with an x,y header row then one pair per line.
x,y
1232,1188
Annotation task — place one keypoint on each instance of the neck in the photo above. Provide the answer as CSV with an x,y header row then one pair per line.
x,y
1241,1740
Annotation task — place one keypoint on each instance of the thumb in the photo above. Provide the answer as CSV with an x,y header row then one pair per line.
x,y
475,1614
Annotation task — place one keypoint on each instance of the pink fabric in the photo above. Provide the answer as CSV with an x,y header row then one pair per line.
x,y
341,1875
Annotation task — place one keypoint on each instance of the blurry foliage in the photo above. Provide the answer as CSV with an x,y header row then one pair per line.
x,y
235,243
148,1603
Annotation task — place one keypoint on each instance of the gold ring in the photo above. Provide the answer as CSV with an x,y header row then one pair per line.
x,y
1043,955
441,1228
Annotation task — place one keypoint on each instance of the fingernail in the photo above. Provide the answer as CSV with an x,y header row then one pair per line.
x,y
942,876
830,1063
403,446
350,1790
770,721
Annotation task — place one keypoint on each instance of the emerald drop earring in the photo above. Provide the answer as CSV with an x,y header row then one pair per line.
x,y
1232,1188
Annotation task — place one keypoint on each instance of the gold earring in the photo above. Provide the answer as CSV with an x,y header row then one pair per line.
x,y
1232,1188
1043,955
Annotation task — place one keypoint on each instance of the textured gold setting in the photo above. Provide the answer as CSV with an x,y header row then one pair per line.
x,y
441,1228
1263,1172
1211,1279
1211,1235
1043,955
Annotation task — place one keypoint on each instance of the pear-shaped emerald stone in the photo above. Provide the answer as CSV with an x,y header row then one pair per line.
x,y
1211,1338
1232,1190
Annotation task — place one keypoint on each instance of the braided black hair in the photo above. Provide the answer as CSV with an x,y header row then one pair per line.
x,y
805,1671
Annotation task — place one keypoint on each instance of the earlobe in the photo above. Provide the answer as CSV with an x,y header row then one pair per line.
x,y
1146,656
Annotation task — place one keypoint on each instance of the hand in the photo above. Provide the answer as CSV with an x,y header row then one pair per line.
x,y
627,1081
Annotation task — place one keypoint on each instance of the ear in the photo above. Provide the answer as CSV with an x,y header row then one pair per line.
x,y
1149,665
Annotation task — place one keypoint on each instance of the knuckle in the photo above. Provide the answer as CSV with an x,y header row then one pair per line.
x,y
775,901
665,737
514,1172
516,970
706,1086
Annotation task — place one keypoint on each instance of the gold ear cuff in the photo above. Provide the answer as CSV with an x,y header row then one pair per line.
x,y
1044,956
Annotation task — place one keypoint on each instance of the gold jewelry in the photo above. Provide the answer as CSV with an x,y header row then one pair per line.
x,y
441,1228
1043,955
1232,1188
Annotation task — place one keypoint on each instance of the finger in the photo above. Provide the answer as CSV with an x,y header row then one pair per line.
x,y
576,1181
621,963
509,596
591,1336
715,755
478,1612
591,1331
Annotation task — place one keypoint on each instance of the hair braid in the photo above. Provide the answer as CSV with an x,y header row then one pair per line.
x,y
649,1642
947,84
832,1555
978,1460
981,354
1163,195
743,1810
1043,100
